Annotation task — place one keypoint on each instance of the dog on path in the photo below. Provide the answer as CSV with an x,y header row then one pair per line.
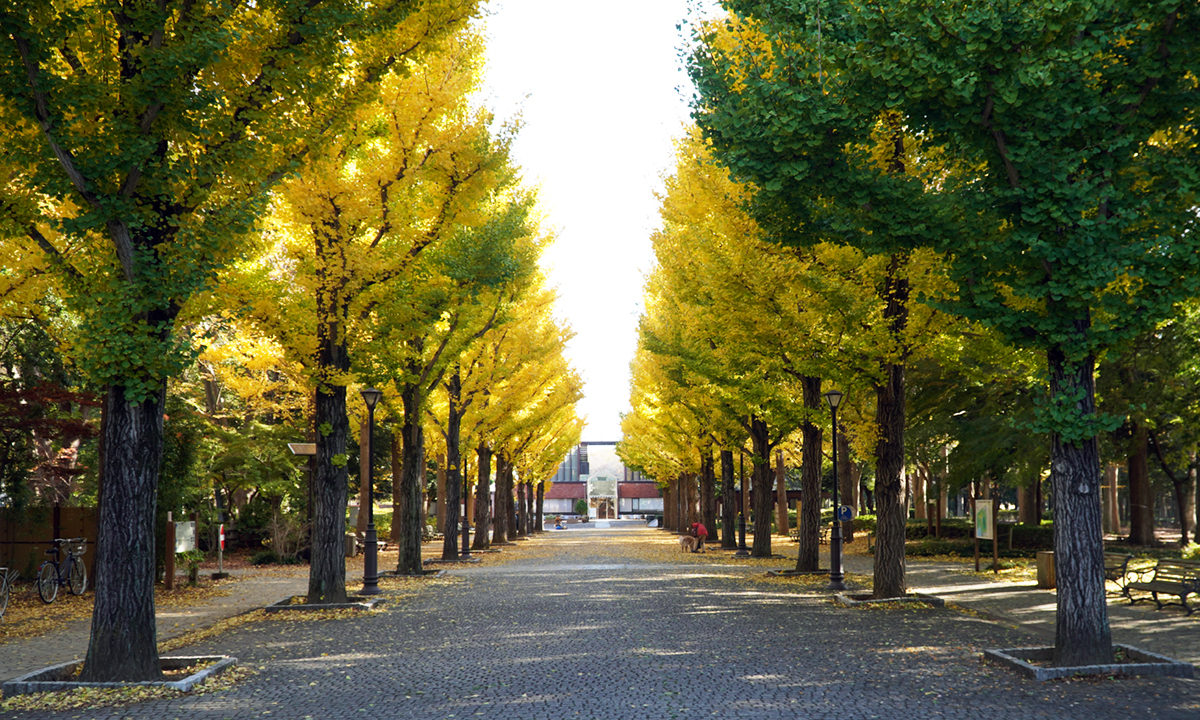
x,y
687,543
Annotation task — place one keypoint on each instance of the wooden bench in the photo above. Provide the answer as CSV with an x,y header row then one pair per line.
x,y
1170,576
1116,569
822,535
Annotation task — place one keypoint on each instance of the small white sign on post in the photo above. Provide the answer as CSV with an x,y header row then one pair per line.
x,y
985,528
185,536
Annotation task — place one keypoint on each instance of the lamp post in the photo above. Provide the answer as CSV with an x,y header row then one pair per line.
x,y
742,551
371,550
836,576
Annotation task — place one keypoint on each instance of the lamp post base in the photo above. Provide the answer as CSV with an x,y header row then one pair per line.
x,y
836,575
370,563
742,550
465,553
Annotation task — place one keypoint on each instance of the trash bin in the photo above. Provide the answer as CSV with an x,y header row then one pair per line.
x,y
1045,569
351,545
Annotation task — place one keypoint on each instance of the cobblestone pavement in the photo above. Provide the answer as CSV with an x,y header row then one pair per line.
x,y
571,629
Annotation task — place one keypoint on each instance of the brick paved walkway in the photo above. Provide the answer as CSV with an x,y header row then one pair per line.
x,y
572,631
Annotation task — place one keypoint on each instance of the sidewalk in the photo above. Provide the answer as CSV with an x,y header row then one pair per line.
x,y
251,592
1167,632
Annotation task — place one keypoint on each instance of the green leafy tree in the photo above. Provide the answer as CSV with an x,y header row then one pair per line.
x,y
145,136
1068,213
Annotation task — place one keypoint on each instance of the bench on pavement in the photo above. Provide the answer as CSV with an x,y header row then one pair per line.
x,y
1116,569
1169,576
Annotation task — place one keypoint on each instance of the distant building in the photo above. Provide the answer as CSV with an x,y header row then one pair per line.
x,y
593,472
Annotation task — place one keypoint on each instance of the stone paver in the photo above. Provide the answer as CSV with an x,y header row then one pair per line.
x,y
579,633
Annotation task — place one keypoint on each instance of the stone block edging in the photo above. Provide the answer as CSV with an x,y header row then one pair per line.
x,y
854,601
359,602
48,679
1148,664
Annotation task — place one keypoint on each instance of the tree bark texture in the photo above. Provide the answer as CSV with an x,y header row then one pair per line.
x,y
529,508
708,491
728,502
521,516
1141,495
123,643
781,505
454,476
327,571
1082,635
502,508
848,479
890,500
670,511
761,477
809,517
483,498
441,493
539,523
412,478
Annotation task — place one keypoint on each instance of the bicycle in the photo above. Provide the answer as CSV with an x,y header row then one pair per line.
x,y
6,581
70,572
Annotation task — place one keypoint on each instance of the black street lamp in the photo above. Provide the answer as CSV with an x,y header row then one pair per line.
x,y
742,551
836,576
371,550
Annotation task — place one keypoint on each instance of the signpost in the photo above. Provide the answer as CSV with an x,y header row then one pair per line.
x,y
985,514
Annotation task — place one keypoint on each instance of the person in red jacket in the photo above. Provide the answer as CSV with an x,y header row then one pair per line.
x,y
701,534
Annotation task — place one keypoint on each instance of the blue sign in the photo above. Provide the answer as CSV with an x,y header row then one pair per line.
x,y
845,513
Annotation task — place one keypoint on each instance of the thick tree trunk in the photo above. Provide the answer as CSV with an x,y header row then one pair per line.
x,y
708,491
501,516
397,475
441,494
890,501
539,523
123,644
1141,495
412,478
454,476
483,498
761,477
781,507
327,572
1025,504
728,502
1082,634
848,478
808,558
521,516
670,509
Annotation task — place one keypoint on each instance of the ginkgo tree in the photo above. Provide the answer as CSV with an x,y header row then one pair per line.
x,y
146,138
1067,214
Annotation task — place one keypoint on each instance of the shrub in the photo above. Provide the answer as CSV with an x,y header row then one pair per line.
x,y
1191,551
264,557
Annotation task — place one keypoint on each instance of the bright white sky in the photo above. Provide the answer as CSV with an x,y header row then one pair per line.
x,y
602,92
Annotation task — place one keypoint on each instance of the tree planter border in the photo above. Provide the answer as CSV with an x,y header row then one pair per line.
x,y
1148,663
857,600
51,679
357,602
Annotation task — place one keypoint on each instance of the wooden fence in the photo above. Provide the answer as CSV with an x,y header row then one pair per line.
x,y
25,536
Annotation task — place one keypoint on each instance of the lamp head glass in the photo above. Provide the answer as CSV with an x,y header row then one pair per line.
x,y
834,398
371,397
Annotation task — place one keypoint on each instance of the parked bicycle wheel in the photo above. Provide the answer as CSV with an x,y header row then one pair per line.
x,y
48,582
4,591
77,580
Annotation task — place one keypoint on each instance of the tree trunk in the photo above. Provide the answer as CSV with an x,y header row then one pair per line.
x,y
123,644
327,572
539,524
501,516
781,508
529,515
397,481
483,498
670,501
521,518
364,460
890,502
708,491
412,478
761,477
728,502
1082,634
454,476
809,519
1025,504
441,494
1112,514
848,477
1141,495
918,486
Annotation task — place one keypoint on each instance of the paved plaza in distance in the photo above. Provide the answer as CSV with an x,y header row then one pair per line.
x,y
608,623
